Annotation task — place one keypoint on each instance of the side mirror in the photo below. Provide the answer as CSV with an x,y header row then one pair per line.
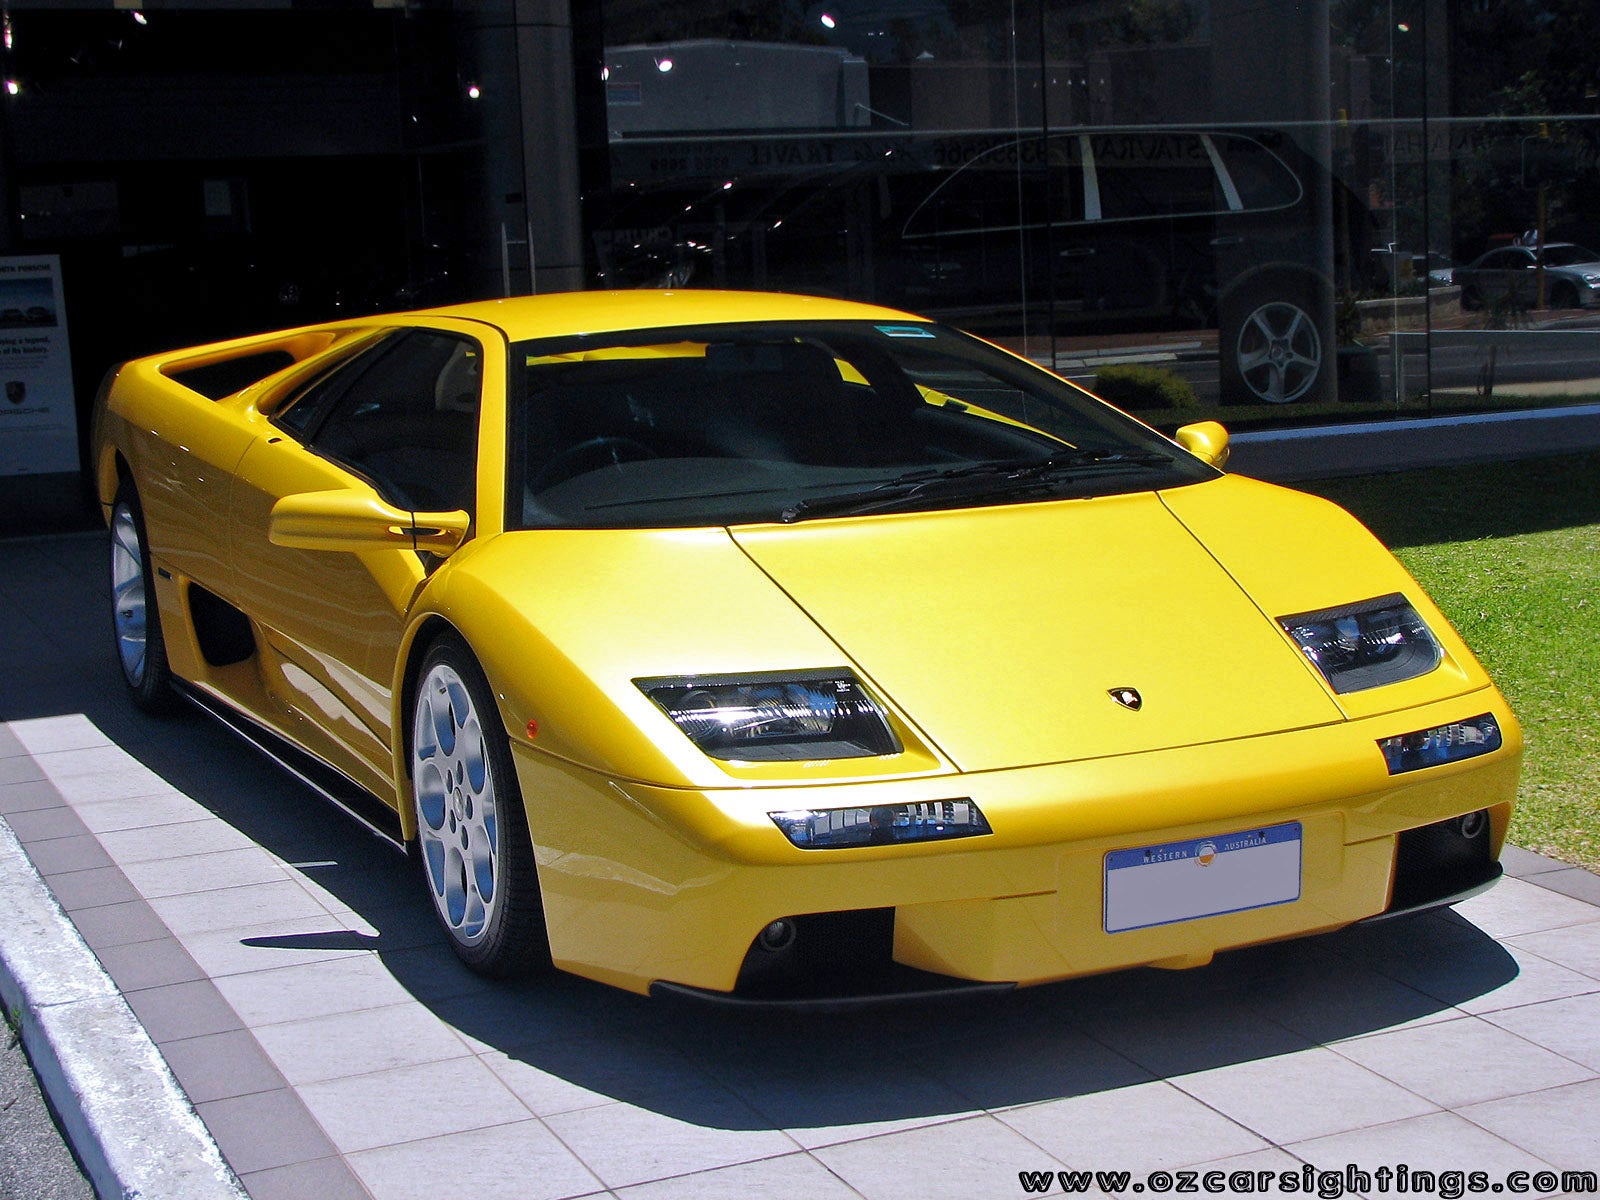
x,y
348,520
1206,440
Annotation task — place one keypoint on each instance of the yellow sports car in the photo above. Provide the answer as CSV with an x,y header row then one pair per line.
x,y
775,648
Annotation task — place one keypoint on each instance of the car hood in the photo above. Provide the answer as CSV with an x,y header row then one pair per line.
x,y
997,633
1002,633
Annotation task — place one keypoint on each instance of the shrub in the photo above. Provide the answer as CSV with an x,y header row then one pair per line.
x,y
1140,387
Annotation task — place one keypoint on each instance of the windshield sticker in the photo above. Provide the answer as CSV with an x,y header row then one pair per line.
x,y
905,331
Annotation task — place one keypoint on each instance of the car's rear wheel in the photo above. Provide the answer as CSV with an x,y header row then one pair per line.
x,y
1273,347
477,857
135,619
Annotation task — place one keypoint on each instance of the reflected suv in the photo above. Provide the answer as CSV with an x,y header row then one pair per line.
x,y
1130,230
1142,229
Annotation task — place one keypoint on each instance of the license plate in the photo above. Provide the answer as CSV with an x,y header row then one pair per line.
x,y
1206,877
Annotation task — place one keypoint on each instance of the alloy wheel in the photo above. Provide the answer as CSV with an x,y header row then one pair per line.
x,y
1279,352
128,595
457,808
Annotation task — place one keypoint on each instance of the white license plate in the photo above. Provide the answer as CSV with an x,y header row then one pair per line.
x,y
1206,877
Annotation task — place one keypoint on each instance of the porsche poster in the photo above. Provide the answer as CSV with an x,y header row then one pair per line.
x,y
38,421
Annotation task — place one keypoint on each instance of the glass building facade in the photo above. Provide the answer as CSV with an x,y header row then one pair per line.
x,y
1269,212
1282,212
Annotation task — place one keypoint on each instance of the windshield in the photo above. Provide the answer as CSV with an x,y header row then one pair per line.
x,y
736,424
1567,256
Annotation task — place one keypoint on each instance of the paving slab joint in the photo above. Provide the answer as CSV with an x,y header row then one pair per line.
x,y
135,1132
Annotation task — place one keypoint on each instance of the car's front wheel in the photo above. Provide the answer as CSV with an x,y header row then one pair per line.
x,y
135,620
477,857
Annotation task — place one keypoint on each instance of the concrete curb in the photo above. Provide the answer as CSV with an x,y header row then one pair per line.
x,y
1323,451
133,1128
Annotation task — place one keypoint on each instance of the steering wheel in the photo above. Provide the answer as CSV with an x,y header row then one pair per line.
x,y
589,455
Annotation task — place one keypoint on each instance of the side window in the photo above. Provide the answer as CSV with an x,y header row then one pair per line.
x,y
1508,260
305,412
1263,180
1145,175
1001,190
407,420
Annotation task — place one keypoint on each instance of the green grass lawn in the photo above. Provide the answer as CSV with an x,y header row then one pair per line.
x,y
1511,552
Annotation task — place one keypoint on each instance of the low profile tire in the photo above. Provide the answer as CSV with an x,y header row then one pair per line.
x,y
477,858
1564,295
135,619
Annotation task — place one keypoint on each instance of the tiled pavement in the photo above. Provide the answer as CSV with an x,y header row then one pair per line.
x,y
288,968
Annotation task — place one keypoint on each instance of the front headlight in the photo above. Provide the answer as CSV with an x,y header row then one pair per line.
x,y
798,716
1366,645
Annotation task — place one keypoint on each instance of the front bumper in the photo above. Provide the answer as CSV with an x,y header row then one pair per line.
x,y
645,885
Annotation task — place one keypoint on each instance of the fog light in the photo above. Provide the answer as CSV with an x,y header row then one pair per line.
x,y
1441,744
777,936
881,824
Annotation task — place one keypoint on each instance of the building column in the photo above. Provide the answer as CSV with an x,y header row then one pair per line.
x,y
518,55
550,143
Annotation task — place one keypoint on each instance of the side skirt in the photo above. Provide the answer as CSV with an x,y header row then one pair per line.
x,y
333,786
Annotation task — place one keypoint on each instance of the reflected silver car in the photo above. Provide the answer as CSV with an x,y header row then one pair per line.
x,y
1510,274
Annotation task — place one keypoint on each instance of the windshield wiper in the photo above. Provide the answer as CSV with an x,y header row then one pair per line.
x,y
995,477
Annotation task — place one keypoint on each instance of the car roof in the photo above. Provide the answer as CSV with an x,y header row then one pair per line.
x,y
1526,249
562,314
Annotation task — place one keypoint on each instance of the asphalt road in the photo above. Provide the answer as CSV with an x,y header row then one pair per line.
x,y
35,1163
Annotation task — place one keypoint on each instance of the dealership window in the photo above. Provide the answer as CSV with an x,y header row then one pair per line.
x,y
1270,203
1282,206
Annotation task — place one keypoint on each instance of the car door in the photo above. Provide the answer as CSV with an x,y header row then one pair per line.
x,y
1508,276
399,421
1143,192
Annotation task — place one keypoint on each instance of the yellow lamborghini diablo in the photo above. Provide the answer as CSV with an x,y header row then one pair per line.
x,y
786,649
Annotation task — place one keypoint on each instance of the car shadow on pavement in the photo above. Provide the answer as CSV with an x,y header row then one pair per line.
x,y
755,1069
738,1069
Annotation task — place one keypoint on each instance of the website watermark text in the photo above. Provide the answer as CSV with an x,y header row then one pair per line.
x,y
1400,1180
